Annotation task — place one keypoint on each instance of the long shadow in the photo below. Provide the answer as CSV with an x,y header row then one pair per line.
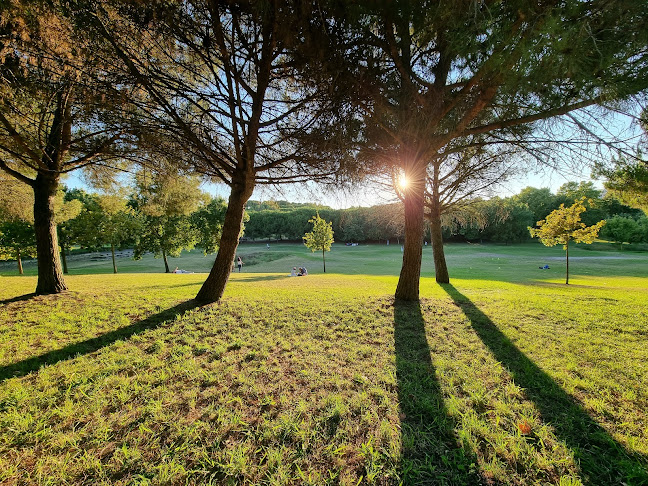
x,y
20,298
91,345
602,460
430,452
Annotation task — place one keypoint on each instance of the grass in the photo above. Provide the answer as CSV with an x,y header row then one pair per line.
x,y
506,376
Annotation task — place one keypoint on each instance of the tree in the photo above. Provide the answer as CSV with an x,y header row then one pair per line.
x,y
208,220
564,225
321,238
539,201
627,180
166,200
17,221
570,192
454,180
223,82
52,115
432,74
626,229
118,222
17,240
627,177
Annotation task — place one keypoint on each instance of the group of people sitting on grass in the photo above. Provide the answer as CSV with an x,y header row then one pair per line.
x,y
298,272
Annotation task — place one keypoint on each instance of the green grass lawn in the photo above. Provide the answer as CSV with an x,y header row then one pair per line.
x,y
506,376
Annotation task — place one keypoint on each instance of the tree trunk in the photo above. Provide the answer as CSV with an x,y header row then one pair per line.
x,y
50,273
436,237
567,272
64,260
213,288
112,251
19,261
408,282
324,260
166,262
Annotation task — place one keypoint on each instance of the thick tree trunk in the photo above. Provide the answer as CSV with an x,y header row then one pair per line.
x,y
50,273
166,262
440,267
213,288
19,261
64,260
112,251
408,282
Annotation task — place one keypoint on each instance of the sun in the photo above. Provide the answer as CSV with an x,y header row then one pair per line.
x,y
403,181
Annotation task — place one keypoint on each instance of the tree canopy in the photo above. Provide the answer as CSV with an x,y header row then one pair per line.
x,y
320,238
564,225
437,78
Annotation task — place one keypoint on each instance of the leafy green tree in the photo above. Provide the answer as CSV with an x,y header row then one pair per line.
x,y
435,77
208,221
17,240
224,83
53,115
17,221
627,180
321,238
570,192
564,225
166,201
622,229
118,222
539,201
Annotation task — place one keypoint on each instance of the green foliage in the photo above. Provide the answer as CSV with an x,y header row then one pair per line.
x,y
16,200
17,240
628,181
208,220
564,225
625,229
166,201
539,201
321,237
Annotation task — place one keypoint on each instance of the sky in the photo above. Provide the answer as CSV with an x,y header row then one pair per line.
x,y
614,126
367,195
371,195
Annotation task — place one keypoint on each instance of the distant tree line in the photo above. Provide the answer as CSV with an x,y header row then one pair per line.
x,y
500,220
167,214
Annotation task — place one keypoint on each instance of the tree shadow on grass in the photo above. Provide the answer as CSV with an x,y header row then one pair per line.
x,y
91,345
602,460
20,298
430,452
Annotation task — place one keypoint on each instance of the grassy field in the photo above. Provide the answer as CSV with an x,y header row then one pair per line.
x,y
506,376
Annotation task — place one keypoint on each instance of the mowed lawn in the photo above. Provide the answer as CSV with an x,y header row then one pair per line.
x,y
506,376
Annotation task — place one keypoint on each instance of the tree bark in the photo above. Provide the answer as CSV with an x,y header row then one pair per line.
x,y
112,251
50,273
166,262
64,260
213,288
324,261
408,282
436,237
19,261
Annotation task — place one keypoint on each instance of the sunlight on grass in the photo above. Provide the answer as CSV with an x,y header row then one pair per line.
x,y
323,380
